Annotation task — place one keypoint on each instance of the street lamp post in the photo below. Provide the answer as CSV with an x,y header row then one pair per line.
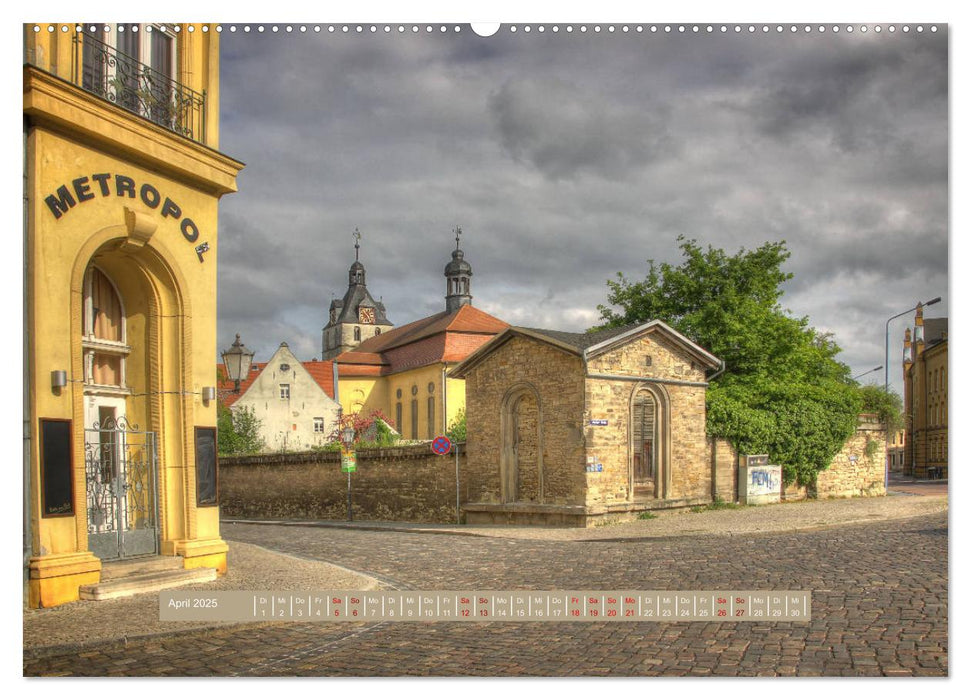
x,y
869,371
237,361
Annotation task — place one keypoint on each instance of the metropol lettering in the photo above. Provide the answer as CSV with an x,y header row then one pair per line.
x,y
86,188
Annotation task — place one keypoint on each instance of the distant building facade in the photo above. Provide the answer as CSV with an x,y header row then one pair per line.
x,y
402,372
293,401
925,369
895,450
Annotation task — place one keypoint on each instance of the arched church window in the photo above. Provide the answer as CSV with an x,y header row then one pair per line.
x,y
103,339
357,332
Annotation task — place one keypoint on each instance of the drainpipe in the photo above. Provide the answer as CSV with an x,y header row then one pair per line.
x,y
714,444
28,538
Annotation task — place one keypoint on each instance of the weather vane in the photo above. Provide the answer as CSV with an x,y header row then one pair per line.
x,y
357,242
458,232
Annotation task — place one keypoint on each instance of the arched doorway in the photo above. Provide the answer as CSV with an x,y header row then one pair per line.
x,y
521,459
121,484
649,443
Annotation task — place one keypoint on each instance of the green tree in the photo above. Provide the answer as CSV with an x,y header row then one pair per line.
x,y
783,391
239,431
887,405
456,430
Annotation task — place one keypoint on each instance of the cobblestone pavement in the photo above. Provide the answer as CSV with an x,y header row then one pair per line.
x,y
879,607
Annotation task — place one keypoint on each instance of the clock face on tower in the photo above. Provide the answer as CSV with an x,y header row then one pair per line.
x,y
365,314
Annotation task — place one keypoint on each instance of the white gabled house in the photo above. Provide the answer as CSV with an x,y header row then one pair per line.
x,y
292,399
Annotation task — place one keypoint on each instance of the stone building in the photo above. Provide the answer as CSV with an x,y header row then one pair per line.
x,y
925,397
577,428
292,399
122,181
402,373
357,316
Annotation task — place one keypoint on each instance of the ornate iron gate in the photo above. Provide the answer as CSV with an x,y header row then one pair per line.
x,y
122,494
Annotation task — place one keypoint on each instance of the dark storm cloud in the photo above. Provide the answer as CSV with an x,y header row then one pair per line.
x,y
569,158
564,131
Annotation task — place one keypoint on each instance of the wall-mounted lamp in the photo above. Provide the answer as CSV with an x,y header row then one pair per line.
x,y
58,379
208,393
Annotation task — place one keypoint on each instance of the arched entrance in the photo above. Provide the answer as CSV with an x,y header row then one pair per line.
x,y
120,461
130,354
649,443
521,459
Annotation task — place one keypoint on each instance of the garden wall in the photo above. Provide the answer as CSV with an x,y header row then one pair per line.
x,y
400,483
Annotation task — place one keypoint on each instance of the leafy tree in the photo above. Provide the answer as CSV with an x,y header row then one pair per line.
x,y
887,405
783,391
456,430
239,431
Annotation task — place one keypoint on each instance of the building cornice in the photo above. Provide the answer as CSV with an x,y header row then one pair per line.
x,y
65,108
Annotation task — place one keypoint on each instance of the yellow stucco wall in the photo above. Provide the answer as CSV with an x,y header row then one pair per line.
x,y
381,393
108,188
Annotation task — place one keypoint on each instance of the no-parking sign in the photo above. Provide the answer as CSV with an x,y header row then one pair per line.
x,y
441,445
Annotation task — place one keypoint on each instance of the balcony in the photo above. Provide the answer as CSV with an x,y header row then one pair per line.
x,y
104,71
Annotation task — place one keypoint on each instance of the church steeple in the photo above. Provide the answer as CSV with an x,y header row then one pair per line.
x,y
457,275
357,316
356,274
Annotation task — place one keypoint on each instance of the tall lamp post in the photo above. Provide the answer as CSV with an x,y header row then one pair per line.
x,y
869,371
237,361
886,376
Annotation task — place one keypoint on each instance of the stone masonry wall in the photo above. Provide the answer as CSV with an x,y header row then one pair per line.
x,y
403,483
852,472
527,449
558,378
724,468
690,460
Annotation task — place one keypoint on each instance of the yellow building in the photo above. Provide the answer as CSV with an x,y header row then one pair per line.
x,y
402,372
122,178
925,398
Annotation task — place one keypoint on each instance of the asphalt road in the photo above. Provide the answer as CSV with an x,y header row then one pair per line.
x,y
879,607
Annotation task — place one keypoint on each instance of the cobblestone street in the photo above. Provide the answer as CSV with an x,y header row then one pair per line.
x,y
879,608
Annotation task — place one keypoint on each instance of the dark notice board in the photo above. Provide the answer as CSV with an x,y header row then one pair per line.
x,y
207,492
57,484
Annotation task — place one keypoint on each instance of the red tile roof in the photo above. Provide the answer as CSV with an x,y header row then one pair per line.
x,y
321,371
225,386
442,337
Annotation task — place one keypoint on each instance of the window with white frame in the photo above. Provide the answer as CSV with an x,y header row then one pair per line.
x,y
285,392
103,341
318,424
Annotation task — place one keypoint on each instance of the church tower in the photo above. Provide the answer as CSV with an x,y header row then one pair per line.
x,y
357,316
457,275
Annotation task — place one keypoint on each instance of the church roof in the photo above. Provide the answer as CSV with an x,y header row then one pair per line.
x,y
442,337
358,295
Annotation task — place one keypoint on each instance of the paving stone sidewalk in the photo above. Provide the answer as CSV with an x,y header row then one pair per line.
x,y
86,627
783,517
86,623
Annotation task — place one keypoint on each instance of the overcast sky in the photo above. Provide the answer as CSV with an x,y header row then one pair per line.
x,y
569,157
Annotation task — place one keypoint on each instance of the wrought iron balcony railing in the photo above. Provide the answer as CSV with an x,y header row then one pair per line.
x,y
108,73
